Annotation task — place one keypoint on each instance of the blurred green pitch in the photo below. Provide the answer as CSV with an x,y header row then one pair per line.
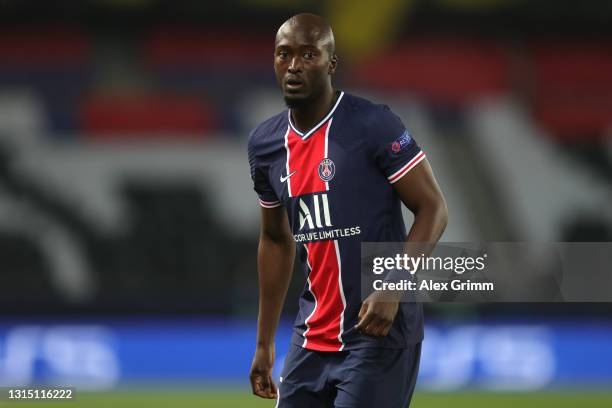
x,y
239,398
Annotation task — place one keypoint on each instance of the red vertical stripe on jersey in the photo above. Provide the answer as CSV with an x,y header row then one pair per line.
x,y
325,323
304,159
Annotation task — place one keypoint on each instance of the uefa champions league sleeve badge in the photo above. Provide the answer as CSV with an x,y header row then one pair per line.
x,y
401,142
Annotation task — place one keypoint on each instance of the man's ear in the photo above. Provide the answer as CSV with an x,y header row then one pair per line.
x,y
333,64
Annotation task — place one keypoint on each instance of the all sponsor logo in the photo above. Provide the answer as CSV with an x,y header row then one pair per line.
x,y
315,222
319,217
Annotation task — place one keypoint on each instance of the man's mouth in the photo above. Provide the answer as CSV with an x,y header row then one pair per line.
x,y
293,84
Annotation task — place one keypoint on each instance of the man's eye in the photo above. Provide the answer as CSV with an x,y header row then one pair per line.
x,y
282,54
308,55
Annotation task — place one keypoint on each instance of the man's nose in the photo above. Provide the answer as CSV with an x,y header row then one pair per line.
x,y
296,65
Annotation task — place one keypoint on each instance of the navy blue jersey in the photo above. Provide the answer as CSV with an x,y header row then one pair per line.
x,y
335,181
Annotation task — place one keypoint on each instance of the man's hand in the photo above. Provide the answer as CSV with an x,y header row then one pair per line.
x,y
376,317
261,372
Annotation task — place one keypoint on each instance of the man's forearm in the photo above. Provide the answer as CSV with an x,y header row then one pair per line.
x,y
380,308
275,267
429,224
427,228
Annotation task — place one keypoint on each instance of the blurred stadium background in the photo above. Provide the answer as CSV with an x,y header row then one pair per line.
x,y
128,226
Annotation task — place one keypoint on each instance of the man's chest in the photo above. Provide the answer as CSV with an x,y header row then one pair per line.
x,y
321,163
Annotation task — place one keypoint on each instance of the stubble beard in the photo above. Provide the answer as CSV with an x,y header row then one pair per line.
x,y
297,103
302,102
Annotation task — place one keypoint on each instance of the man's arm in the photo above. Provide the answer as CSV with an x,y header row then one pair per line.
x,y
275,265
420,192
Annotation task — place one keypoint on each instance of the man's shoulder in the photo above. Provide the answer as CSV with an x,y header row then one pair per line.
x,y
366,111
269,129
375,121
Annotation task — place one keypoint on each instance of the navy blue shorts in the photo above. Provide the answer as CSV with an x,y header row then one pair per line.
x,y
368,377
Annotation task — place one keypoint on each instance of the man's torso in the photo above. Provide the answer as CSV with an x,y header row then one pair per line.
x,y
336,194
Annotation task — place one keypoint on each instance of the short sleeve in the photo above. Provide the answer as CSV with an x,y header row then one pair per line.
x,y
261,183
396,151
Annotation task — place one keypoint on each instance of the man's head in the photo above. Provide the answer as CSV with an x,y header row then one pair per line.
x,y
304,58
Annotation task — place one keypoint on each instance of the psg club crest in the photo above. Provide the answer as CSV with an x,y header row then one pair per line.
x,y
327,169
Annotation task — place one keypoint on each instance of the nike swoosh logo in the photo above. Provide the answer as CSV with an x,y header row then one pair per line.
x,y
283,179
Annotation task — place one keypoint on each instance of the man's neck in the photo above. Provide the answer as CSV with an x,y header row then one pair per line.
x,y
306,117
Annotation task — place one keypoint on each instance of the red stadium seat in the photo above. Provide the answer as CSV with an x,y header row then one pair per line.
x,y
573,119
231,48
583,67
146,116
439,70
40,47
573,88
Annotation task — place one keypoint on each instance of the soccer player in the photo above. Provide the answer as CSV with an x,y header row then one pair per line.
x,y
331,172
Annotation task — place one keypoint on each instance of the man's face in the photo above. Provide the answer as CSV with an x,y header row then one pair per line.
x,y
302,64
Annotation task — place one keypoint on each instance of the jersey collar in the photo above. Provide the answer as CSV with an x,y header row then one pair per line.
x,y
306,135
